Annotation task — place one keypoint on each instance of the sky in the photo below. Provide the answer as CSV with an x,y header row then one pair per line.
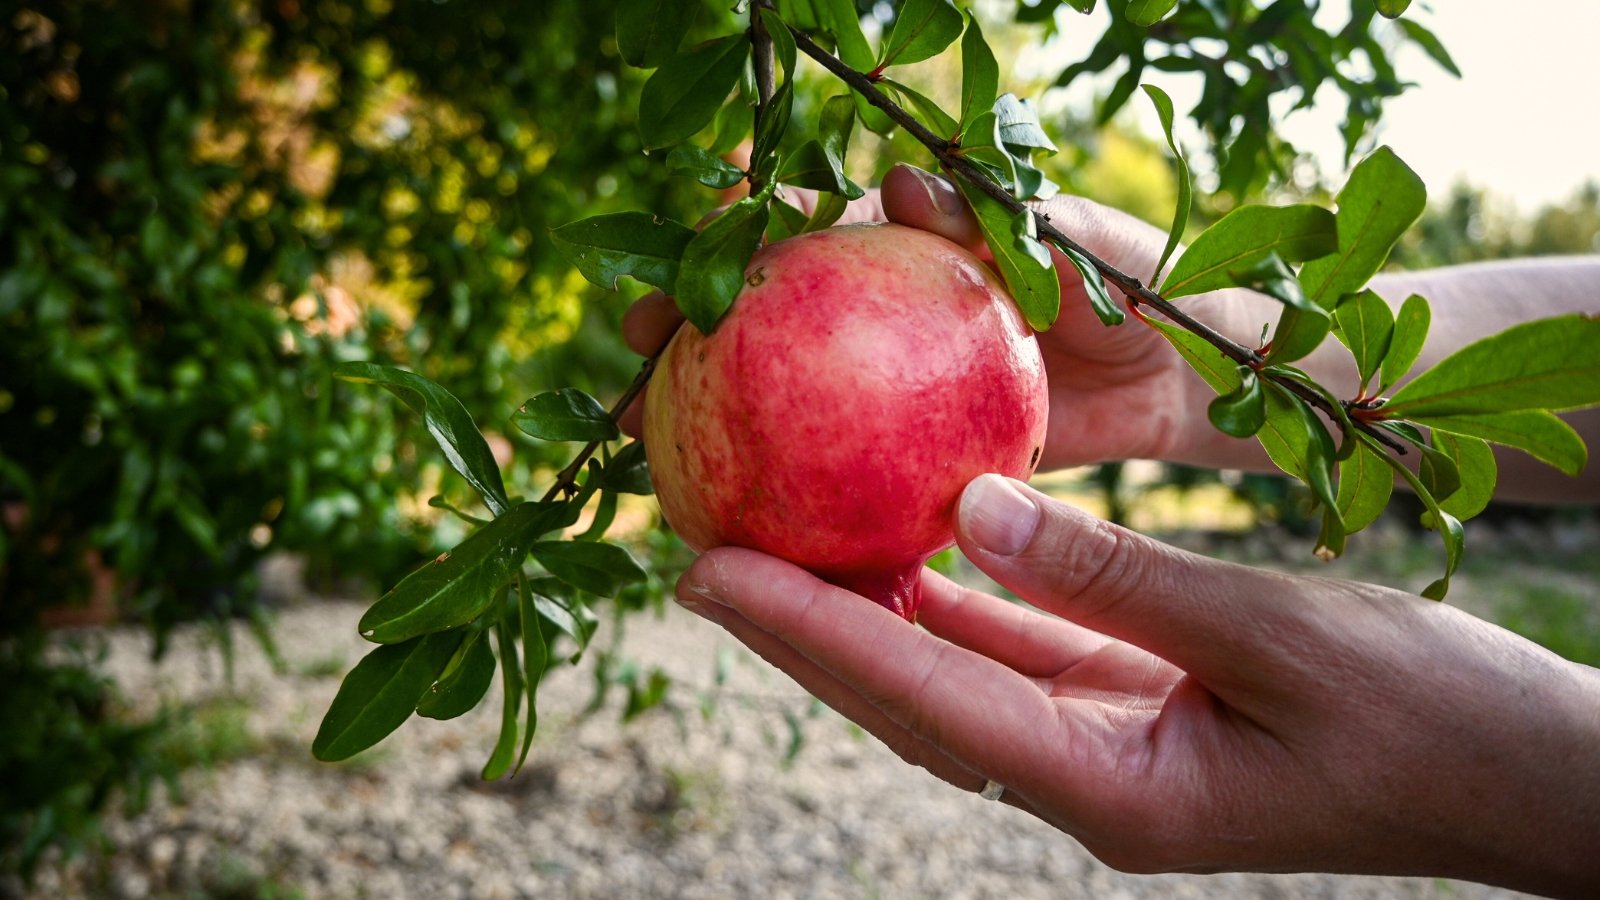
x,y
1523,121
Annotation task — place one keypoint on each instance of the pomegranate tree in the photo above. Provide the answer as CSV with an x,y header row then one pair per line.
x,y
862,377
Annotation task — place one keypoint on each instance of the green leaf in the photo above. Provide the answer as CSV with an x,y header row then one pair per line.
x,y
460,585
1299,332
771,124
458,692
1109,311
786,223
380,693
819,164
558,603
1020,131
1244,237
1549,364
1242,412
605,513
935,118
1430,45
733,125
782,40
1032,282
628,472
1272,276
446,419
535,659
650,31
1448,526
1319,452
712,271
1379,202
1536,432
1392,9
597,567
1365,325
505,747
567,414
637,244
1365,485
1145,13
702,166
922,29
829,208
1478,472
845,24
1180,215
980,74
683,96
1410,333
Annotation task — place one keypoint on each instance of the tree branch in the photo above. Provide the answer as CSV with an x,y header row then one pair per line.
x,y
567,478
1131,287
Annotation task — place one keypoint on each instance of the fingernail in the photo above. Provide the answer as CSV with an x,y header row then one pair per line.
x,y
700,589
942,194
996,516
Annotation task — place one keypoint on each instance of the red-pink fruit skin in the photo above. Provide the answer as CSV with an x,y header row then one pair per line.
x,y
861,378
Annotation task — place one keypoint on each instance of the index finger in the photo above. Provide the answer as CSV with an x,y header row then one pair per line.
x,y
650,322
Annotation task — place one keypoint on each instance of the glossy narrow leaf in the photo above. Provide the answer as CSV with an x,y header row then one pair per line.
x,y
771,125
1448,526
1033,284
712,271
980,74
922,29
1475,462
1319,451
932,115
683,96
980,143
446,419
567,414
458,692
1430,45
1366,325
458,586
1438,471
1331,539
1544,364
1392,9
782,40
1272,276
1365,485
711,171
845,24
1243,238
380,693
1536,432
1020,131
628,472
596,567
1180,216
819,164
650,31
1220,372
1242,412
505,747
829,208
560,605
1410,333
637,244
1379,202
605,512
1341,416
1299,332
1109,311
733,124
785,221
535,659
1145,13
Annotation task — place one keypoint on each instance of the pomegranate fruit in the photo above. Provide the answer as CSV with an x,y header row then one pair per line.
x,y
862,377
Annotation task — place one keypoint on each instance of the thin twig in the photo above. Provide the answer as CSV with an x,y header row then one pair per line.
x,y
1131,287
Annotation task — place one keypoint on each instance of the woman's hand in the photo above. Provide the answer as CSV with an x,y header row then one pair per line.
x,y
1185,714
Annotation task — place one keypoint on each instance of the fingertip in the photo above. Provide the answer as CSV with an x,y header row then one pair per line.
x,y
632,419
921,199
650,322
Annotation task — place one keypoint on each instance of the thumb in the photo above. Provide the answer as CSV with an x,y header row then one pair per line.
x,y
1223,623
920,199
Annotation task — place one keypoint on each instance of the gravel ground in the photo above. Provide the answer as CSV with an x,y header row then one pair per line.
x,y
671,805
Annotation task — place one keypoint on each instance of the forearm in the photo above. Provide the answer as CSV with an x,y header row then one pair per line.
x,y
1469,303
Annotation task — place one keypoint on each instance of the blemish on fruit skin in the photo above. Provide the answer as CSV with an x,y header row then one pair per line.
x,y
755,278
